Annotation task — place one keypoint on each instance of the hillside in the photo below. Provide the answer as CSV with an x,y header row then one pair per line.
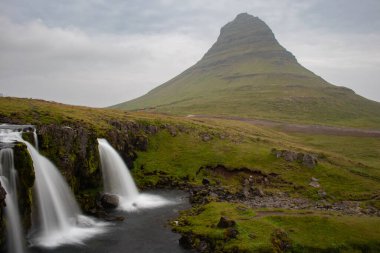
x,y
247,73
213,159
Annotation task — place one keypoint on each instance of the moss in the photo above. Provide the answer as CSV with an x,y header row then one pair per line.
x,y
293,231
24,167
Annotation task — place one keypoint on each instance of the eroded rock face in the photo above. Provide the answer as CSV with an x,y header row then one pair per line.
x,y
3,195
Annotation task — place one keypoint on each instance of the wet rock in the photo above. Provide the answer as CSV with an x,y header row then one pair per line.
x,y
231,233
3,195
313,179
186,241
225,222
109,201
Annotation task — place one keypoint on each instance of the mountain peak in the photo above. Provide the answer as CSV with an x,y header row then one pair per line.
x,y
246,35
247,73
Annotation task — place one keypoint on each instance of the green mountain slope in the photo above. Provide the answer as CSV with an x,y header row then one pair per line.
x,y
248,73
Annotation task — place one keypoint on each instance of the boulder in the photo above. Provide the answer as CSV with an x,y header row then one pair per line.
x,y
225,222
309,161
109,201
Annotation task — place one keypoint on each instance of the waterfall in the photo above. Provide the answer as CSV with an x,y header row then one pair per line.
x,y
116,176
58,219
118,180
35,138
8,179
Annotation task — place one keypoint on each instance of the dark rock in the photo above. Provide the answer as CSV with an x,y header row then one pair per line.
x,y
225,222
205,181
109,201
231,233
186,241
3,195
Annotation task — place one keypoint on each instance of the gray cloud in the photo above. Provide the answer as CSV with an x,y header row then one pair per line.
x,y
102,52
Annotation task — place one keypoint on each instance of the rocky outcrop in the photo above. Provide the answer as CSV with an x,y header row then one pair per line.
x,y
307,160
24,165
3,195
74,150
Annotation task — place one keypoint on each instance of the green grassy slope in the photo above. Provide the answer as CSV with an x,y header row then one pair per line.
x,y
348,170
248,73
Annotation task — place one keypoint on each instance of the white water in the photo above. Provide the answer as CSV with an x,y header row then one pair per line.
x,y
58,219
8,178
35,138
118,180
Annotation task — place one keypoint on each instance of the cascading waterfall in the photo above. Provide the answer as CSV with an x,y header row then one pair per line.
x,y
35,138
118,180
59,219
8,178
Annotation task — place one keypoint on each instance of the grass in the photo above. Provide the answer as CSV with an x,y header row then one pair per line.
x,y
257,81
307,231
348,169
183,155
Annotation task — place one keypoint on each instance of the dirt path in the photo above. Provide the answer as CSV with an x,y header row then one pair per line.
x,y
300,128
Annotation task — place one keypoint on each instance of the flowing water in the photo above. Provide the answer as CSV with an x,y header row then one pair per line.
x,y
118,180
144,231
8,178
59,219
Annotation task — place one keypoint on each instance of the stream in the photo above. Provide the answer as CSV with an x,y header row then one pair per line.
x,y
143,231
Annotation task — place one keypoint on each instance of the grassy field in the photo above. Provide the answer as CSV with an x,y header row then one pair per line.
x,y
304,231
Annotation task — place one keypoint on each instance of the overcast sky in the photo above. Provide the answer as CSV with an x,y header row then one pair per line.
x,y
102,52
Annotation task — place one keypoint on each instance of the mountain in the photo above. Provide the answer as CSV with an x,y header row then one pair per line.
x,y
247,73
